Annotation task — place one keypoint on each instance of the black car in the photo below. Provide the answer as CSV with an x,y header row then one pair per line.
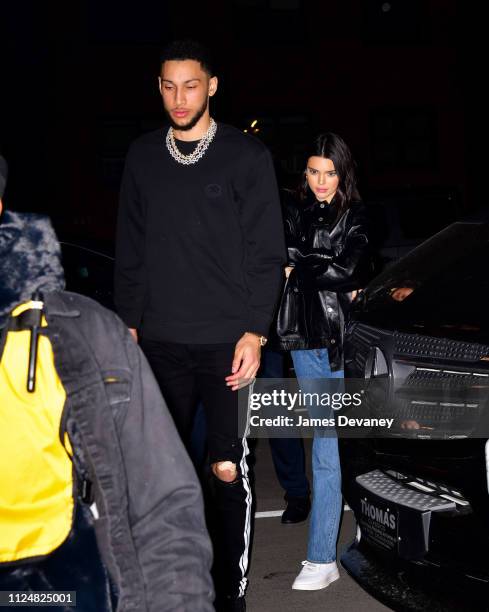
x,y
419,341
89,270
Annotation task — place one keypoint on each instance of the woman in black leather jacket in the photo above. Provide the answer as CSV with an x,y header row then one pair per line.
x,y
325,227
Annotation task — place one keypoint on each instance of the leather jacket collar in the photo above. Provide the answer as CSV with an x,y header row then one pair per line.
x,y
312,202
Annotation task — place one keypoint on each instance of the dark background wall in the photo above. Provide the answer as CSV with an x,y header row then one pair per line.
x,y
396,79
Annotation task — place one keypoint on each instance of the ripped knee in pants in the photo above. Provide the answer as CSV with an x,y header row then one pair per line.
x,y
225,471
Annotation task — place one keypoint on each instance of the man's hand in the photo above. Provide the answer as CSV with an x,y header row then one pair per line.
x,y
134,333
288,270
246,362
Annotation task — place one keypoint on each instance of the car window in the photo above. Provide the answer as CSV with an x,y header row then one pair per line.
x,y
442,286
88,272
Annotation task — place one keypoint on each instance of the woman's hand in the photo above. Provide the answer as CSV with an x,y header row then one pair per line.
x,y
288,270
354,294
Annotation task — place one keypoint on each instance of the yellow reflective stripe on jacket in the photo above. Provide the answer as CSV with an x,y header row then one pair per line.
x,y
36,482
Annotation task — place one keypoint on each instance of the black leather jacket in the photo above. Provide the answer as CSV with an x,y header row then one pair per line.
x,y
330,259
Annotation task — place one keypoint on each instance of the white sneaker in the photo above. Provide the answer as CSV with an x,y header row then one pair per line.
x,y
315,576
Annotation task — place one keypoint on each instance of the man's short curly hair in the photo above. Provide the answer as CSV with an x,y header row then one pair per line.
x,y
188,49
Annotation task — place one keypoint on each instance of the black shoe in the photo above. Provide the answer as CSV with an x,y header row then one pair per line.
x,y
297,510
230,604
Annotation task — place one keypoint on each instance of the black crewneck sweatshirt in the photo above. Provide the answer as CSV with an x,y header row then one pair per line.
x,y
200,248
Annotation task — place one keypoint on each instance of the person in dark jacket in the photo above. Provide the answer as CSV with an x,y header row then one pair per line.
x,y
139,540
325,227
198,270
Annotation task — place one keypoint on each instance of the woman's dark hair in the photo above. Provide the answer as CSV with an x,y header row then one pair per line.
x,y
333,147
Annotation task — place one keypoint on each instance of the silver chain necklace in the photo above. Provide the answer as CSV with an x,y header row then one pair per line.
x,y
197,153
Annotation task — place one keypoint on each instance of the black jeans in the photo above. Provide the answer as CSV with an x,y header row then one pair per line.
x,y
187,373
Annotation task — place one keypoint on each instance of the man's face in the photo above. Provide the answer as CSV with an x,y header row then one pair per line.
x,y
185,89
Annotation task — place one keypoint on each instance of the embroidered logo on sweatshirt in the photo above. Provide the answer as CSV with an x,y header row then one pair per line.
x,y
213,190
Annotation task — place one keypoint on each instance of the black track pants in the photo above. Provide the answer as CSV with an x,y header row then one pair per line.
x,y
187,373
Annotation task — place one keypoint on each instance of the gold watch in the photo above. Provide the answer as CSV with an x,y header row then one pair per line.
x,y
262,339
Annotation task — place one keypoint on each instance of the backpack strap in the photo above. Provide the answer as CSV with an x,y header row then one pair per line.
x,y
75,449
25,320
30,320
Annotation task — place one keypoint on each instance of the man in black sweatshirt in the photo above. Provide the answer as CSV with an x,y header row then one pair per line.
x,y
200,254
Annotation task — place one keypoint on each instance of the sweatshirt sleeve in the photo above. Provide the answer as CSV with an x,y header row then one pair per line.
x,y
129,276
262,224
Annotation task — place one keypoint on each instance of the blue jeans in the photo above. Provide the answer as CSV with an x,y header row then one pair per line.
x,y
327,499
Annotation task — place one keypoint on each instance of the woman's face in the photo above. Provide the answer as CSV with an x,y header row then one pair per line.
x,y
322,178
